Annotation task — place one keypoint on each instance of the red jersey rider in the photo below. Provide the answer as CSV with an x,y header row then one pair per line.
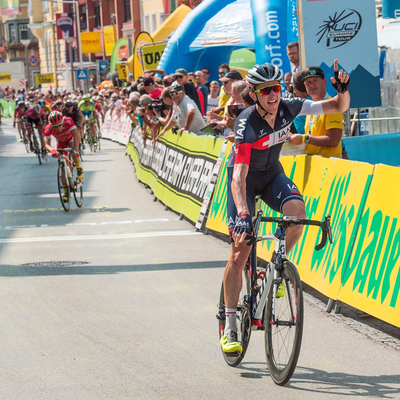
x,y
66,134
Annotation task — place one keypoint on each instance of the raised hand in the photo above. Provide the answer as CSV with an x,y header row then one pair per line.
x,y
341,80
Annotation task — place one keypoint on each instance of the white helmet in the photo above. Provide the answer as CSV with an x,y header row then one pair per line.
x,y
263,73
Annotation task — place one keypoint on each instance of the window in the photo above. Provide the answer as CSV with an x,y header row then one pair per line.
x,y
127,9
153,22
11,33
82,15
146,23
97,16
23,32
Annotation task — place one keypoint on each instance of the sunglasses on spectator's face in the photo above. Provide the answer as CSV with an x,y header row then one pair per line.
x,y
175,93
265,91
223,73
178,76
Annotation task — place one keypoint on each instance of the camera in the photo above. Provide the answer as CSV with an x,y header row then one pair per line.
x,y
175,129
158,105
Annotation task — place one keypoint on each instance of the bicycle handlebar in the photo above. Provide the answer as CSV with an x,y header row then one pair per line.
x,y
325,225
61,151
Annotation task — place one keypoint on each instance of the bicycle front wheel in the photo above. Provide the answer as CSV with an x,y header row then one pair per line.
x,y
243,317
284,325
77,189
66,204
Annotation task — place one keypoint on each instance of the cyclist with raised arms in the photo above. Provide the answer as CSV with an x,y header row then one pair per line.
x,y
254,168
71,110
87,108
64,130
34,115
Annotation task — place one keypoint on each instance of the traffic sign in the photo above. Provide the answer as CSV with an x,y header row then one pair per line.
x,y
2,60
82,73
33,60
5,77
103,64
44,78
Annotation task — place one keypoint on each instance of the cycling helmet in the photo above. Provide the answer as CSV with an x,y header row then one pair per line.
x,y
37,108
58,103
86,98
263,73
69,103
42,102
56,118
21,104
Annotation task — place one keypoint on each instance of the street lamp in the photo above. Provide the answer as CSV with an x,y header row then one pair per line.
x,y
71,40
26,42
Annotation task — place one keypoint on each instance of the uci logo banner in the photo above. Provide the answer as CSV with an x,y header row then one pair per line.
x,y
91,42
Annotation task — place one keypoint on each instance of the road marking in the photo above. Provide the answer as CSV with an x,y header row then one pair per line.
x,y
98,237
97,208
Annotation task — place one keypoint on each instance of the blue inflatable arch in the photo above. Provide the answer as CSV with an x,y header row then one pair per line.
x,y
209,34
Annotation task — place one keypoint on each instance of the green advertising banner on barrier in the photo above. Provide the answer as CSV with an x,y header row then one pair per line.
x,y
8,108
178,169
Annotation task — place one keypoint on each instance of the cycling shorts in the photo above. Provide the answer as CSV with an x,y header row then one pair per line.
x,y
275,190
38,122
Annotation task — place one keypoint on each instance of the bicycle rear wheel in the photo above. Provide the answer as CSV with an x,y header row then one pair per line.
x,y
36,147
243,317
67,204
284,325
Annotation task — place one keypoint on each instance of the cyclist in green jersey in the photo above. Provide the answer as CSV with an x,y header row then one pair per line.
x,y
87,108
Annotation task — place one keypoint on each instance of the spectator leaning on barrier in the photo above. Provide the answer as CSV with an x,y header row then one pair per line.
x,y
223,97
148,117
323,132
213,98
190,91
133,104
185,113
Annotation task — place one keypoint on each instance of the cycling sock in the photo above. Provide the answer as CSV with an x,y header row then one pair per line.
x,y
230,320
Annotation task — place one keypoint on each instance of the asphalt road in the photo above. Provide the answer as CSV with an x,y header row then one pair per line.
x,y
117,300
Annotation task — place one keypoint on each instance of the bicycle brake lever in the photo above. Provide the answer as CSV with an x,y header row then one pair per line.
x,y
251,241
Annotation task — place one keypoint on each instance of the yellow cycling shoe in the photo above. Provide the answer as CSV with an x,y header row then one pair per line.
x,y
281,292
230,344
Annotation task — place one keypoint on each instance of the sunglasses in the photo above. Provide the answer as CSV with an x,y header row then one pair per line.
x,y
176,93
265,91
222,73
178,76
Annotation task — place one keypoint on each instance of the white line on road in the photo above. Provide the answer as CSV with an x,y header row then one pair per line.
x,y
98,237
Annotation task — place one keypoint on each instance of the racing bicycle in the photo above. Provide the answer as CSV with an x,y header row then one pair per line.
x,y
261,308
37,149
68,183
88,135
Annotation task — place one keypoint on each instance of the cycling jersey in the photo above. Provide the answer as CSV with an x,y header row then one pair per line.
x,y
20,113
87,108
31,114
98,107
64,136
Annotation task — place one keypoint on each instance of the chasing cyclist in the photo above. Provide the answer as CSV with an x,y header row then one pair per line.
x,y
34,115
71,110
87,108
64,130
19,119
254,168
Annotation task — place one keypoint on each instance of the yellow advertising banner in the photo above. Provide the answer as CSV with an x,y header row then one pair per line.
x,y
91,42
44,78
121,68
138,62
152,55
5,77
371,281
109,35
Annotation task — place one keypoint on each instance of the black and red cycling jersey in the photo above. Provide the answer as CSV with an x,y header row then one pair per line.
x,y
257,144
75,109
20,112
31,114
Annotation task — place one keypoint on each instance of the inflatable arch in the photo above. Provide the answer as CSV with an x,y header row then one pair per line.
x,y
209,34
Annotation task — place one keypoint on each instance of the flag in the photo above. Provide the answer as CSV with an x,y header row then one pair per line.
x,y
10,7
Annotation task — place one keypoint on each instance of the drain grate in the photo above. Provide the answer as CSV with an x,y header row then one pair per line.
x,y
55,264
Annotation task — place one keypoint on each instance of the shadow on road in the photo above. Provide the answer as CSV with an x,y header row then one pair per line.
x,y
20,270
341,384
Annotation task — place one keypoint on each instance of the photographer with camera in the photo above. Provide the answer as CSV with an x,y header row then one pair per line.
x,y
151,89
147,117
185,112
